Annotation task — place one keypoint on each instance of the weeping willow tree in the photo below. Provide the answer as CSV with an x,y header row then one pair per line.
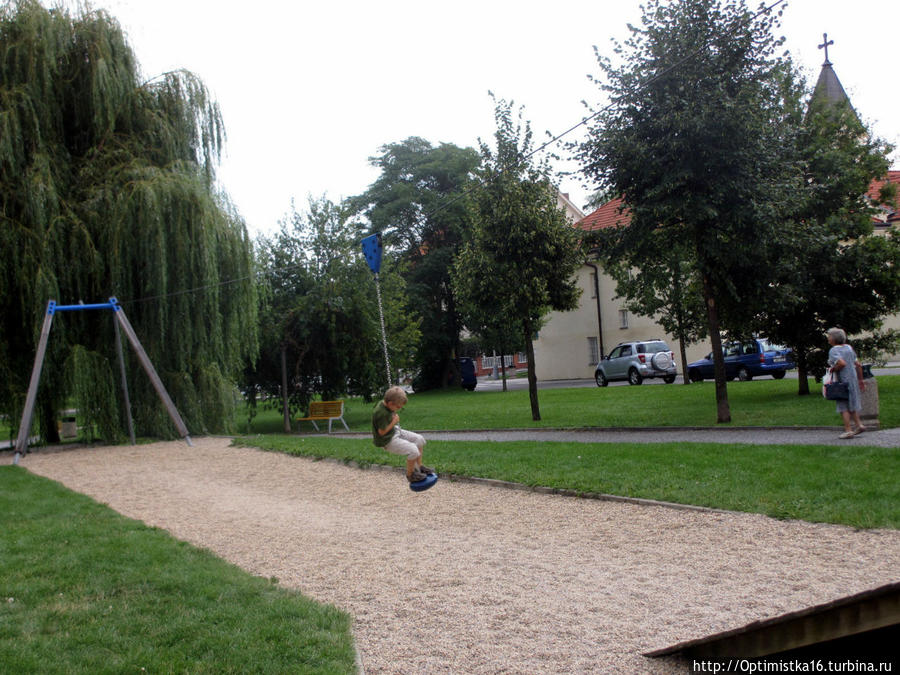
x,y
107,187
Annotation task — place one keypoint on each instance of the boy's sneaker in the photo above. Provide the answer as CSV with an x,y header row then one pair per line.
x,y
426,469
416,476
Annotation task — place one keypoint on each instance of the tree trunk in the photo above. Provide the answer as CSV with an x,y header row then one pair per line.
x,y
532,377
679,317
284,391
49,415
456,373
454,328
802,372
723,410
683,353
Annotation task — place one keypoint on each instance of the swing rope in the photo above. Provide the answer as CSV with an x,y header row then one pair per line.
x,y
387,362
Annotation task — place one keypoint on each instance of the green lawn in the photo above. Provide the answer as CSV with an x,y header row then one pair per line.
x,y
852,485
84,590
764,402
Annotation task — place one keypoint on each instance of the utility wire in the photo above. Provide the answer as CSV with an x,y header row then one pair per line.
x,y
441,207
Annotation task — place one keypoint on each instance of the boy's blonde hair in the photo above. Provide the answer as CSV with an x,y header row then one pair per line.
x,y
395,395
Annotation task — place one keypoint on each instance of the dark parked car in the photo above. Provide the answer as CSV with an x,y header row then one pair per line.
x,y
467,372
432,377
746,360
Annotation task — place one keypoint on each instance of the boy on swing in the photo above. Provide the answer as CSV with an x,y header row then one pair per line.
x,y
387,434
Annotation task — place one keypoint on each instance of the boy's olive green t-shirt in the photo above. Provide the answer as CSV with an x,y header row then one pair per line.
x,y
381,418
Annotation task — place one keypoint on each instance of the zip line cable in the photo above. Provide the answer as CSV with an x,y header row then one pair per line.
x,y
441,207
195,289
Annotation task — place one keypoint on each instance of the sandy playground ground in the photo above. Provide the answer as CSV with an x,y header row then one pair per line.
x,y
467,578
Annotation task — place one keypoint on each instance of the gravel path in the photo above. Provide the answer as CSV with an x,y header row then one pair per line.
x,y
467,578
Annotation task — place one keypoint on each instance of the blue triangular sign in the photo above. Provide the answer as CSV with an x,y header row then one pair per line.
x,y
371,247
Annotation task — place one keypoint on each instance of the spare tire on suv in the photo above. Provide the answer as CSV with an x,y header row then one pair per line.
x,y
662,361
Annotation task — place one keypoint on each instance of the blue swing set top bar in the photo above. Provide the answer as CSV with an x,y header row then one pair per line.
x,y
52,307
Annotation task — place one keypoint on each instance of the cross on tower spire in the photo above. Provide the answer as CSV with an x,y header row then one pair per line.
x,y
824,46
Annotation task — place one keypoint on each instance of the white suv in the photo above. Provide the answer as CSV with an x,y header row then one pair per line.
x,y
634,361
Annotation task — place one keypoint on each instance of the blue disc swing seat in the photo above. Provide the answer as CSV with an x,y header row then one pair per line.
x,y
424,484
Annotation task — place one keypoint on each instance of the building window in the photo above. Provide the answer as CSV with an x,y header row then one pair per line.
x,y
623,318
593,351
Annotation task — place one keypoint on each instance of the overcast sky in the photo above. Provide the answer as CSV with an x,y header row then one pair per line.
x,y
310,90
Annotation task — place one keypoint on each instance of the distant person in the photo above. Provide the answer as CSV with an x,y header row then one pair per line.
x,y
387,434
845,367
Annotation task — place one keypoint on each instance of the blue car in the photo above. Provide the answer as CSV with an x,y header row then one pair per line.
x,y
746,360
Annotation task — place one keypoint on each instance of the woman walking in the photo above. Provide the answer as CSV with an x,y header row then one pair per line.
x,y
845,367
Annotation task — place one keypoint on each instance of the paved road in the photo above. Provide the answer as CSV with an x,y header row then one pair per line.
x,y
488,384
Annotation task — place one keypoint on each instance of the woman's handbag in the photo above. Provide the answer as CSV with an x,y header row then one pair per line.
x,y
832,390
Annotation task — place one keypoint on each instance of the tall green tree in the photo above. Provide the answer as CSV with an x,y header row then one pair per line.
x,y
320,329
693,140
487,314
416,204
835,269
107,188
523,255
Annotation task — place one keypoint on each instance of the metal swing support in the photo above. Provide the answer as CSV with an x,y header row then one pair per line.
x,y
121,320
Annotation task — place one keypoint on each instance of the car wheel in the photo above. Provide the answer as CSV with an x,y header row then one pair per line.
x,y
601,379
744,375
694,375
778,374
669,379
634,377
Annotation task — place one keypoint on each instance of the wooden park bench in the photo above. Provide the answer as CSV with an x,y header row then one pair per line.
x,y
324,410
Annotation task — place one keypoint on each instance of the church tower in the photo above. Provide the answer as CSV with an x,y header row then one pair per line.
x,y
829,91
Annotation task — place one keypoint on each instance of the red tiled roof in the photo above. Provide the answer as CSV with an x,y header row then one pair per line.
x,y
892,177
890,217
608,215
612,214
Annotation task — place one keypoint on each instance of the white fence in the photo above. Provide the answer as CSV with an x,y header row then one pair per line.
x,y
509,362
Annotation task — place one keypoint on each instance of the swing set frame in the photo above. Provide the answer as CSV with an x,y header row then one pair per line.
x,y
120,320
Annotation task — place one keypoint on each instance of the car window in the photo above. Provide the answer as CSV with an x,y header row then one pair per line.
x,y
615,353
654,347
749,348
767,346
626,351
732,350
